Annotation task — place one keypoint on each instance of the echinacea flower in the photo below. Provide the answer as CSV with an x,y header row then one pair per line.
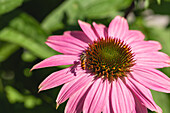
x,y
113,69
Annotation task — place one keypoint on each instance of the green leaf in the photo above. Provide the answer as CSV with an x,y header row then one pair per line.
x,y
6,50
31,101
72,10
162,100
54,20
103,8
13,95
28,26
13,36
9,5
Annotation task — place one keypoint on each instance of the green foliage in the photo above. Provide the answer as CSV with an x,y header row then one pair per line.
x,y
13,36
15,96
164,8
76,9
159,2
6,50
9,5
28,57
28,26
162,97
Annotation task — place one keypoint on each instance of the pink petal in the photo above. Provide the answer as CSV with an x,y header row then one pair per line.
x,y
122,98
96,97
56,60
88,30
145,46
108,108
76,101
133,36
65,48
139,108
58,78
153,60
143,94
79,35
101,30
66,44
152,79
67,39
118,27
70,88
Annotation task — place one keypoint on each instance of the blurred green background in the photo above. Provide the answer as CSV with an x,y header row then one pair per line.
x,y
26,24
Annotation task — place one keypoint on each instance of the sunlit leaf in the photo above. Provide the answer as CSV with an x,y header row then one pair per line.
x,y
159,2
9,5
30,101
13,95
146,3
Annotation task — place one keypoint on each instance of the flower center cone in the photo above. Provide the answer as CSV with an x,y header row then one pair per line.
x,y
108,58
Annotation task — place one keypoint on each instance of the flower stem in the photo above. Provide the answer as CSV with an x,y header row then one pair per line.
x,y
129,9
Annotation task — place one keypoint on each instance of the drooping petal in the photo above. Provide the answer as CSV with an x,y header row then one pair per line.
x,y
118,27
143,94
153,60
73,86
101,30
56,60
96,97
58,78
133,36
76,101
122,98
145,46
152,79
139,108
79,35
88,30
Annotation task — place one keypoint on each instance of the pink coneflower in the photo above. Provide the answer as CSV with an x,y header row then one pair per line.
x,y
113,69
